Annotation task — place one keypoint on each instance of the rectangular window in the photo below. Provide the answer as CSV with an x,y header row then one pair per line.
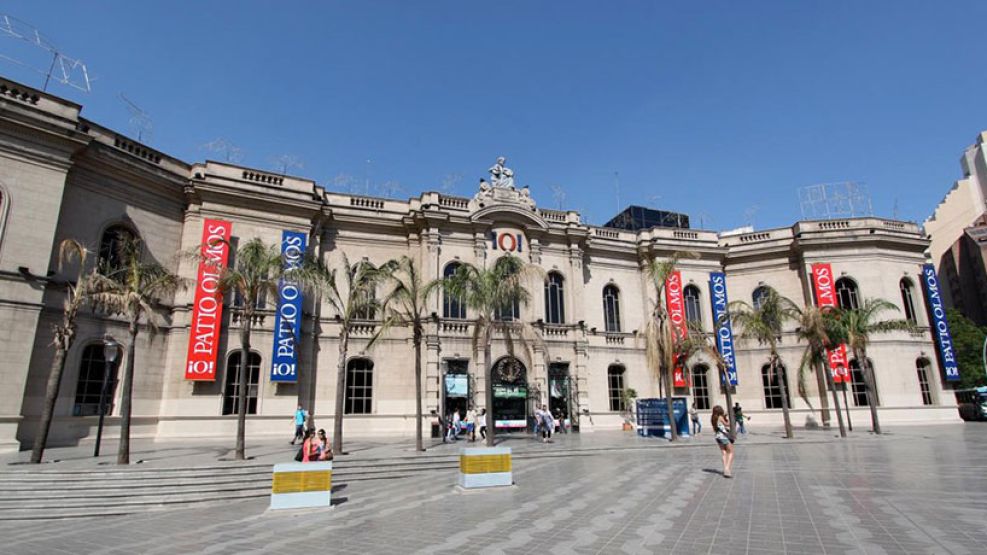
x,y
359,387
923,383
232,389
615,385
700,387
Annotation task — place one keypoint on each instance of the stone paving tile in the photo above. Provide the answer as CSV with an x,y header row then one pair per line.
x,y
921,493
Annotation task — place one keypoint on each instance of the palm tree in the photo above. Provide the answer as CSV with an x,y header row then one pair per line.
x,y
815,327
132,289
663,350
255,275
76,295
353,300
490,292
857,325
764,324
406,305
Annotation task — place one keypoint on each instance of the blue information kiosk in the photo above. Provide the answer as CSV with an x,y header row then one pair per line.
x,y
652,417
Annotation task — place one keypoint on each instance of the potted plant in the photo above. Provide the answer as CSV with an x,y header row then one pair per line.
x,y
627,400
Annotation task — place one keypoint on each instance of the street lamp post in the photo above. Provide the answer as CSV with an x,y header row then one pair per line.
x,y
111,351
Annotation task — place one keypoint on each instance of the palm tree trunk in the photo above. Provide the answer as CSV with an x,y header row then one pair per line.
x,y
821,383
241,393
488,398
783,386
724,379
836,401
123,451
51,397
667,378
337,421
870,388
418,389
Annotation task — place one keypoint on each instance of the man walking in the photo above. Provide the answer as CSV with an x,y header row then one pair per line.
x,y
738,414
301,415
697,426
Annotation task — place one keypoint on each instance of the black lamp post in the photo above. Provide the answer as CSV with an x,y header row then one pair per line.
x,y
111,351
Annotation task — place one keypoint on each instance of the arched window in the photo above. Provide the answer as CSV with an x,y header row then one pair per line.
x,y
92,368
359,386
906,299
759,295
846,293
611,308
113,246
232,389
858,385
554,299
692,306
452,307
772,386
615,387
700,386
924,369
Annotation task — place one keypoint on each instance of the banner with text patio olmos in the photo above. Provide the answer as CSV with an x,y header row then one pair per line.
x,y
676,318
940,326
822,279
207,308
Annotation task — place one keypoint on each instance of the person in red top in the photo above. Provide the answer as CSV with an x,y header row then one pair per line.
x,y
310,447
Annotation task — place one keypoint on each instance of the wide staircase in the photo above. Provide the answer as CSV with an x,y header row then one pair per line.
x,y
32,493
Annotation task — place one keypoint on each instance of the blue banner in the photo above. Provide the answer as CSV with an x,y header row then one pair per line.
x,y
288,319
940,327
724,331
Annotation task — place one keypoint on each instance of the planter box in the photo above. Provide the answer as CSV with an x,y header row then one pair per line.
x,y
485,467
301,485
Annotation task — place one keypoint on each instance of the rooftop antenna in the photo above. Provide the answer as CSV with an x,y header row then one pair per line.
x,y
366,176
827,201
228,151
286,161
61,68
703,216
345,181
654,201
616,187
558,193
390,188
749,215
140,122
449,182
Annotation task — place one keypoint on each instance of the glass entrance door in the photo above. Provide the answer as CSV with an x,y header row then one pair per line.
x,y
560,392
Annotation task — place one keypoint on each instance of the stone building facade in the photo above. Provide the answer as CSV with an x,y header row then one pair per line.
x,y
63,176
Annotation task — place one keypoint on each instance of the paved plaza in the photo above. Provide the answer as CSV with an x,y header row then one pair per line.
x,y
913,490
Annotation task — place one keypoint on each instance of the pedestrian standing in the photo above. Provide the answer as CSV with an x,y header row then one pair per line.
x,y
738,415
300,416
697,426
471,424
483,423
724,439
547,424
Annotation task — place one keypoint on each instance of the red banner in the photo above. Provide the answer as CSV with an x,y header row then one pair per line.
x,y
207,312
822,278
676,318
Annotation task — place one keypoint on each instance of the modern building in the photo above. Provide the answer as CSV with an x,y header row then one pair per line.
x,y
637,218
955,232
65,177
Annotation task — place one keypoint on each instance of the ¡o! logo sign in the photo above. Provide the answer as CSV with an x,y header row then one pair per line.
x,y
507,241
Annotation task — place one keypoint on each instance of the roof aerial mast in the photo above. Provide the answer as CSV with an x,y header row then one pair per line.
x,y
61,68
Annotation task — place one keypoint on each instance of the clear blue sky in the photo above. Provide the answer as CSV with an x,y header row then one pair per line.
x,y
708,107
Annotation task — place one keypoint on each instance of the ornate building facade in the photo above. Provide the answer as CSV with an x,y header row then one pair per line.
x,y
62,177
